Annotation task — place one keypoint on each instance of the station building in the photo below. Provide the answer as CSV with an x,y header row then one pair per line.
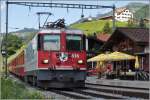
x,y
134,41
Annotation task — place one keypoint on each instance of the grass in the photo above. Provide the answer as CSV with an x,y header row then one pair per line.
x,y
11,89
95,26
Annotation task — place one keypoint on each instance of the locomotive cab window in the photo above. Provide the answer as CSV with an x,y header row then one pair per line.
x,y
74,42
51,42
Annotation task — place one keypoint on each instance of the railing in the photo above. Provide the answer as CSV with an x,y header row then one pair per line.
x,y
142,76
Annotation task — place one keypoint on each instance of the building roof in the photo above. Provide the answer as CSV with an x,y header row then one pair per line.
x,y
103,37
136,34
120,10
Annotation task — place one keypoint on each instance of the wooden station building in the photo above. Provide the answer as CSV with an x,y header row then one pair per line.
x,y
133,41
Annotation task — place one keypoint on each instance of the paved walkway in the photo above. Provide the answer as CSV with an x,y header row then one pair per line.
x,y
117,82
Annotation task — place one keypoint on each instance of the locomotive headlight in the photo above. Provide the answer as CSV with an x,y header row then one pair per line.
x,y
45,61
80,61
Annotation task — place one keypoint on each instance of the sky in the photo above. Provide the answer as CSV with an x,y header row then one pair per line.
x,y
23,16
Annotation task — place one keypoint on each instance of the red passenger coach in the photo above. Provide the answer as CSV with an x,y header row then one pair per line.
x,y
55,57
17,65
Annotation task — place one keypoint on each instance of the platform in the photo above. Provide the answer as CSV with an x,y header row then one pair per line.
x,y
117,82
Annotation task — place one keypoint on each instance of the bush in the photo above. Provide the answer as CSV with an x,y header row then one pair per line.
x,y
13,90
107,28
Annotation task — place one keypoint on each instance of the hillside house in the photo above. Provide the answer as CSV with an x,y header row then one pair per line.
x,y
123,14
146,20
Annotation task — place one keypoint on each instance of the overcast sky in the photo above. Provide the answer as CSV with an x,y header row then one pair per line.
x,y
22,16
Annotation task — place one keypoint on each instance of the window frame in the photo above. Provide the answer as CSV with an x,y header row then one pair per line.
x,y
50,35
82,42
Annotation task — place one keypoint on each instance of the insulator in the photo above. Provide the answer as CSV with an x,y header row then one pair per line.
x,y
82,16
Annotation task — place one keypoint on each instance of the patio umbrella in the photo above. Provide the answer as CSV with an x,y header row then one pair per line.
x,y
99,57
118,56
137,63
115,56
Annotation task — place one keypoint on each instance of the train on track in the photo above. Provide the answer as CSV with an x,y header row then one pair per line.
x,y
54,58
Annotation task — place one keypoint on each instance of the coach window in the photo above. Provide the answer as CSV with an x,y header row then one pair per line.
x,y
74,42
51,42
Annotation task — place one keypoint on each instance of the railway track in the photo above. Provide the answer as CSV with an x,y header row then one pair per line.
x,y
84,94
92,91
124,91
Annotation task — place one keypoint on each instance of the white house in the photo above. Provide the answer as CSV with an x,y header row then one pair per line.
x,y
123,14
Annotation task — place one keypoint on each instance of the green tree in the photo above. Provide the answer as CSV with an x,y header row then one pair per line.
x,y
141,23
13,43
107,28
131,23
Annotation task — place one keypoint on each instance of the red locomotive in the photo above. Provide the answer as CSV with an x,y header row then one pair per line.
x,y
56,57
